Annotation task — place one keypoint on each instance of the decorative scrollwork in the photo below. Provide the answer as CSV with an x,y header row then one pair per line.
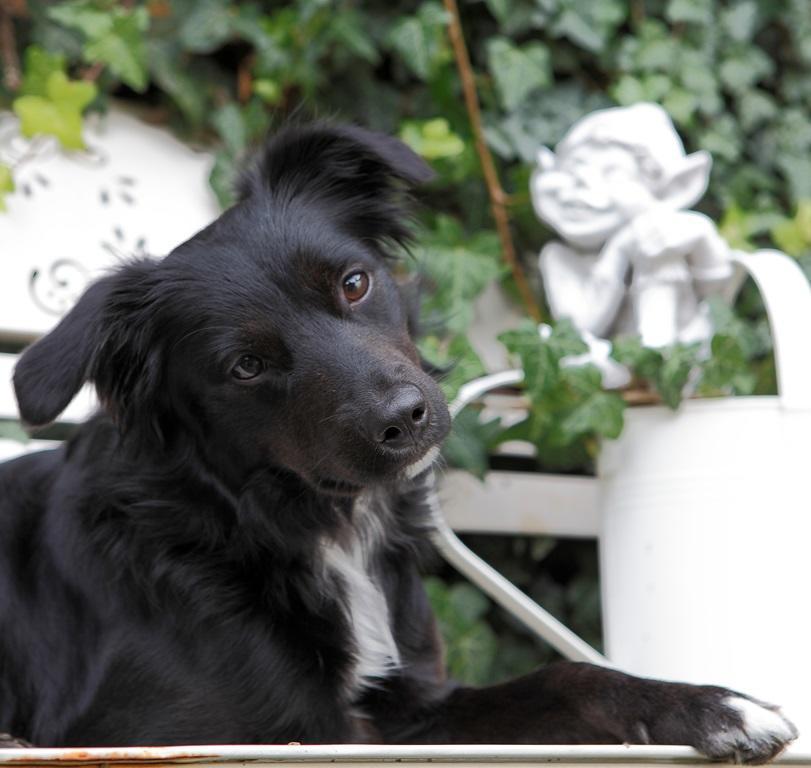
x,y
56,288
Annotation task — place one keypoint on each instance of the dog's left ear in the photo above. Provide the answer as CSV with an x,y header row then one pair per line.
x,y
107,338
363,176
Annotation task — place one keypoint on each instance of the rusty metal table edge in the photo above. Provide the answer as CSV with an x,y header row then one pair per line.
x,y
353,754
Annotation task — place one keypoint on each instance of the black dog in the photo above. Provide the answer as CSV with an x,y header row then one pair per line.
x,y
230,553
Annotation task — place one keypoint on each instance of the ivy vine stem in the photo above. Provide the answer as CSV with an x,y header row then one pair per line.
x,y
8,50
93,72
498,198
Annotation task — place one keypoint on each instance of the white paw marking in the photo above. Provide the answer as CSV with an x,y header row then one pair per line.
x,y
412,470
763,733
760,723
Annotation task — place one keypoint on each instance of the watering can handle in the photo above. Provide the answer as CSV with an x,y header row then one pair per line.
x,y
490,581
787,296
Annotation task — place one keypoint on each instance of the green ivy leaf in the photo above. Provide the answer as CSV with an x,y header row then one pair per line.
x,y
517,16
469,444
348,30
206,26
471,643
41,116
727,371
690,11
456,357
518,134
85,16
754,338
667,369
6,184
589,25
59,113
742,70
739,21
267,89
565,340
420,40
458,267
793,235
756,107
735,228
70,94
122,50
679,362
652,87
433,139
39,66
410,39
223,177
723,139
700,79
657,53
680,105
540,357
644,361
468,603
797,170
582,379
601,414
230,125
517,71
569,412
170,71
115,37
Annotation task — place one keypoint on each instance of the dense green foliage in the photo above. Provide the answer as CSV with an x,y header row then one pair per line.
x,y
733,74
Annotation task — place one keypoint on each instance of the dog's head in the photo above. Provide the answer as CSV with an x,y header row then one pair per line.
x,y
276,337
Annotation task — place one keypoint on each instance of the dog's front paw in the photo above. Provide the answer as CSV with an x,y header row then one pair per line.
x,y
749,731
725,725
7,741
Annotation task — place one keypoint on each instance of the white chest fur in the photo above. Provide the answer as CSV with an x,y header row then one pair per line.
x,y
376,653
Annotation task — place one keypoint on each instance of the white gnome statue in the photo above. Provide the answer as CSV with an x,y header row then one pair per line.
x,y
633,259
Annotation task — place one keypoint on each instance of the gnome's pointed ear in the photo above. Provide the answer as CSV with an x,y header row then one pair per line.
x,y
546,159
686,186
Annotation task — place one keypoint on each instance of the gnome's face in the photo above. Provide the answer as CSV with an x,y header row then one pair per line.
x,y
590,191
612,165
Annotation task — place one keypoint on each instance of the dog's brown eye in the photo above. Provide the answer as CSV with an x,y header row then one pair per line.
x,y
356,286
247,367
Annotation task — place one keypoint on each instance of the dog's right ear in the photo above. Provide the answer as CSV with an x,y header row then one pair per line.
x,y
362,176
52,370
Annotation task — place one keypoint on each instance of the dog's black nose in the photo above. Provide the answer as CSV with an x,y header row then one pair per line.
x,y
402,417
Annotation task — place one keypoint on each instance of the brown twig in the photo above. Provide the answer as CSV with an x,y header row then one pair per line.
x,y
93,72
245,79
12,76
640,396
638,13
498,198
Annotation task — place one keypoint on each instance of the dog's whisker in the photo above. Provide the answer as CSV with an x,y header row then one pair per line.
x,y
331,417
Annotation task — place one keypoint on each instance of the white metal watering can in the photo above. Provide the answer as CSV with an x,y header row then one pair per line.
x,y
705,546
